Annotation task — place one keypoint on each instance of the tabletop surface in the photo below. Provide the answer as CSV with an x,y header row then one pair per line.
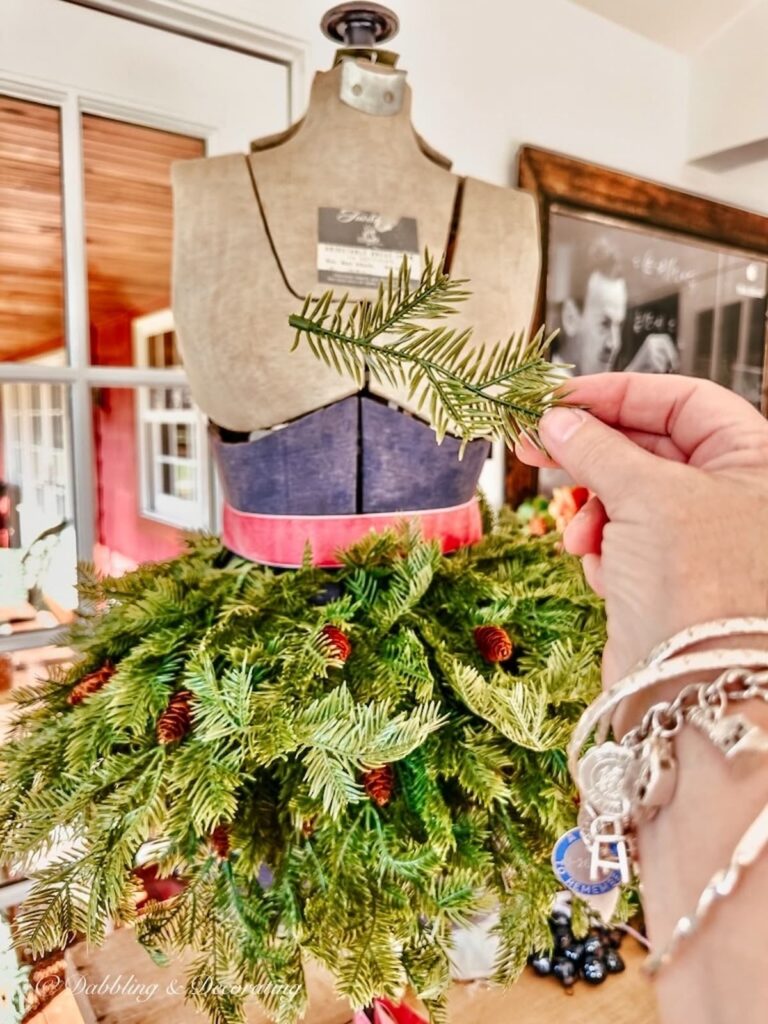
x,y
135,991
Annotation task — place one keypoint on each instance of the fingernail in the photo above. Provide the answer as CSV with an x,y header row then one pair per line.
x,y
560,424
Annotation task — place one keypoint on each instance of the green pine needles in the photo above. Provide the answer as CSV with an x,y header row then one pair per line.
x,y
261,804
470,391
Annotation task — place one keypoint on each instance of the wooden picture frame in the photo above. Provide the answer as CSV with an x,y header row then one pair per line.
x,y
560,181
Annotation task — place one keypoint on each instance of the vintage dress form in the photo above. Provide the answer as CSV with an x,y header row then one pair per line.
x,y
246,254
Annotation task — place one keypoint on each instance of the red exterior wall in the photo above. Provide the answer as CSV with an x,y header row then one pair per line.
x,y
123,536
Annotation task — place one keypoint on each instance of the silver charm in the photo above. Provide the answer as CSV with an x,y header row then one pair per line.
x,y
572,865
606,777
609,849
604,905
584,820
734,735
657,778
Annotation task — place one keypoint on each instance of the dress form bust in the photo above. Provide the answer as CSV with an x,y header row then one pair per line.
x,y
254,234
246,241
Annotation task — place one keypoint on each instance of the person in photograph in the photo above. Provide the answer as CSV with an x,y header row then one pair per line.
x,y
592,319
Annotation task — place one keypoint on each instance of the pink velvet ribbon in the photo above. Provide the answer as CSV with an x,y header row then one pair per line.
x,y
280,541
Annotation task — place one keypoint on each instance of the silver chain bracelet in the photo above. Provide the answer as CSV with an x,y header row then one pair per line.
x,y
624,784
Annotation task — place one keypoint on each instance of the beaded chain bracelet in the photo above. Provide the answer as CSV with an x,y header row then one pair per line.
x,y
627,782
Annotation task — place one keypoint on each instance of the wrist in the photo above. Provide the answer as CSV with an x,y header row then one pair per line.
x,y
631,711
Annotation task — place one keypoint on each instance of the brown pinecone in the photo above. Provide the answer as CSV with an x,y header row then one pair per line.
x,y
91,683
176,721
379,784
494,643
338,642
219,840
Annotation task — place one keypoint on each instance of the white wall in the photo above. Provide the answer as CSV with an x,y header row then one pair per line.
x,y
491,75
729,106
729,85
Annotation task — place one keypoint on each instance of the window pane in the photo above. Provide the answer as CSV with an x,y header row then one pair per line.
x,y
37,429
153,354
31,275
740,324
128,219
184,480
148,495
170,355
37,537
182,441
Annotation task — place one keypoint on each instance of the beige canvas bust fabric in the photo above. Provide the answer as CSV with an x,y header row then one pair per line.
x,y
245,252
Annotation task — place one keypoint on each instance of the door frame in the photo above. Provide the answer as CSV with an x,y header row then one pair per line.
x,y
240,34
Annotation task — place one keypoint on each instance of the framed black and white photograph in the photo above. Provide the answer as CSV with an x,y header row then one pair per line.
x,y
641,277
631,298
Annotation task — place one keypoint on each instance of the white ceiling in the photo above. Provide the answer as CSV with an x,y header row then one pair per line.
x,y
683,25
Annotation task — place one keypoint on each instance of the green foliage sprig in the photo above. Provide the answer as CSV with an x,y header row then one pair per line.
x,y
473,391
281,735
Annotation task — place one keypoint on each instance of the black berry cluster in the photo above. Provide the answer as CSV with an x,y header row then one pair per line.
x,y
591,958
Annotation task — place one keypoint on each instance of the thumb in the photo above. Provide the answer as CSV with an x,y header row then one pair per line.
x,y
596,455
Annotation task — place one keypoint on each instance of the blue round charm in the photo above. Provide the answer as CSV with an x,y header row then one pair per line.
x,y
571,864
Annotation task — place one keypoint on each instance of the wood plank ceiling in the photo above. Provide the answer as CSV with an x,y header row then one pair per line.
x,y
128,222
31,290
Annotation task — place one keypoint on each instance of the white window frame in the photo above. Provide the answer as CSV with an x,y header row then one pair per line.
x,y
18,431
154,504
79,376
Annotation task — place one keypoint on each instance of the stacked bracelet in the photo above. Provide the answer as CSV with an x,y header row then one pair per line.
x,y
625,783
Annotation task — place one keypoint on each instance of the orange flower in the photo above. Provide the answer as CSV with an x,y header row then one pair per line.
x,y
565,503
538,526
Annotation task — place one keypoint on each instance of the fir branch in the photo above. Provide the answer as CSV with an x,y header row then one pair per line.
x,y
471,391
424,798
55,910
408,584
518,710
175,923
522,924
458,898
344,737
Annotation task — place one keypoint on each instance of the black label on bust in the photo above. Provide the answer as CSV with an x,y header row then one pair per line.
x,y
359,247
